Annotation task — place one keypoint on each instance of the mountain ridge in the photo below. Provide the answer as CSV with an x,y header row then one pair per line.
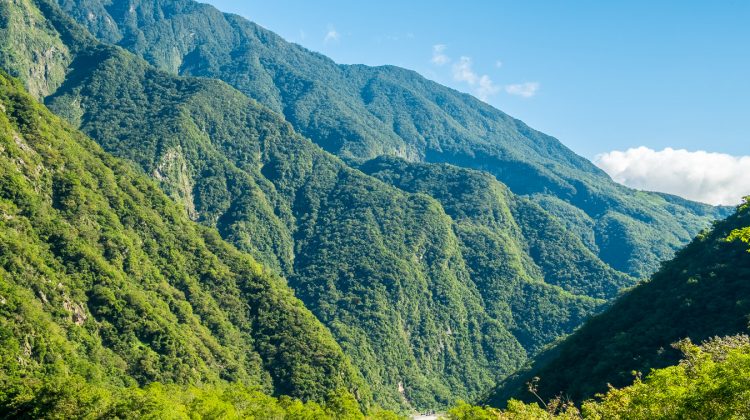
x,y
391,267
92,285
700,294
324,199
359,112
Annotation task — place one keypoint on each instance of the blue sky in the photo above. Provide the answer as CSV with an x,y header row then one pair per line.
x,y
599,75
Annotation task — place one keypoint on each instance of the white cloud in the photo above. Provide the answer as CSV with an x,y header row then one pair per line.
x,y
463,72
438,55
713,178
483,85
486,88
524,90
331,35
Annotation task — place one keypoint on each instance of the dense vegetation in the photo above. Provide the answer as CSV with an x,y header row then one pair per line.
x,y
73,397
410,295
703,292
477,201
711,381
434,279
104,280
43,60
380,267
530,271
359,112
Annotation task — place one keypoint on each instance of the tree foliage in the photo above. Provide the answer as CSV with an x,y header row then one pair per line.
x,y
711,381
104,280
359,112
434,279
701,293
414,296
73,397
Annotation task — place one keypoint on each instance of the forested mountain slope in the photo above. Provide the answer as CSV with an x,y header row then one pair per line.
x,y
703,292
433,292
531,272
711,381
103,279
360,112
380,267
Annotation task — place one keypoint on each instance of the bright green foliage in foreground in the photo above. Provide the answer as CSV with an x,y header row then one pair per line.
x,y
712,381
381,268
703,292
441,281
103,278
72,397
516,410
439,303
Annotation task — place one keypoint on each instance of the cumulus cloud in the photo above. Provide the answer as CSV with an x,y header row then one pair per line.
x,y
438,55
499,64
331,35
713,178
482,85
524,90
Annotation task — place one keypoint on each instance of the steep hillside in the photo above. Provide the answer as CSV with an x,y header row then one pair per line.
x,y
476,198
711,381
380,267
530,272
432,291
103,278
703,292
360,112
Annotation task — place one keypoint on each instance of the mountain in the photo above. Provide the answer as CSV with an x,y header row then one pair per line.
x,y
104,280
702,293
709,382
380,267
434,279
359,112
530,270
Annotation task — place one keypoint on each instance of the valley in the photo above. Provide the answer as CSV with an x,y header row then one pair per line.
x,y
198,214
